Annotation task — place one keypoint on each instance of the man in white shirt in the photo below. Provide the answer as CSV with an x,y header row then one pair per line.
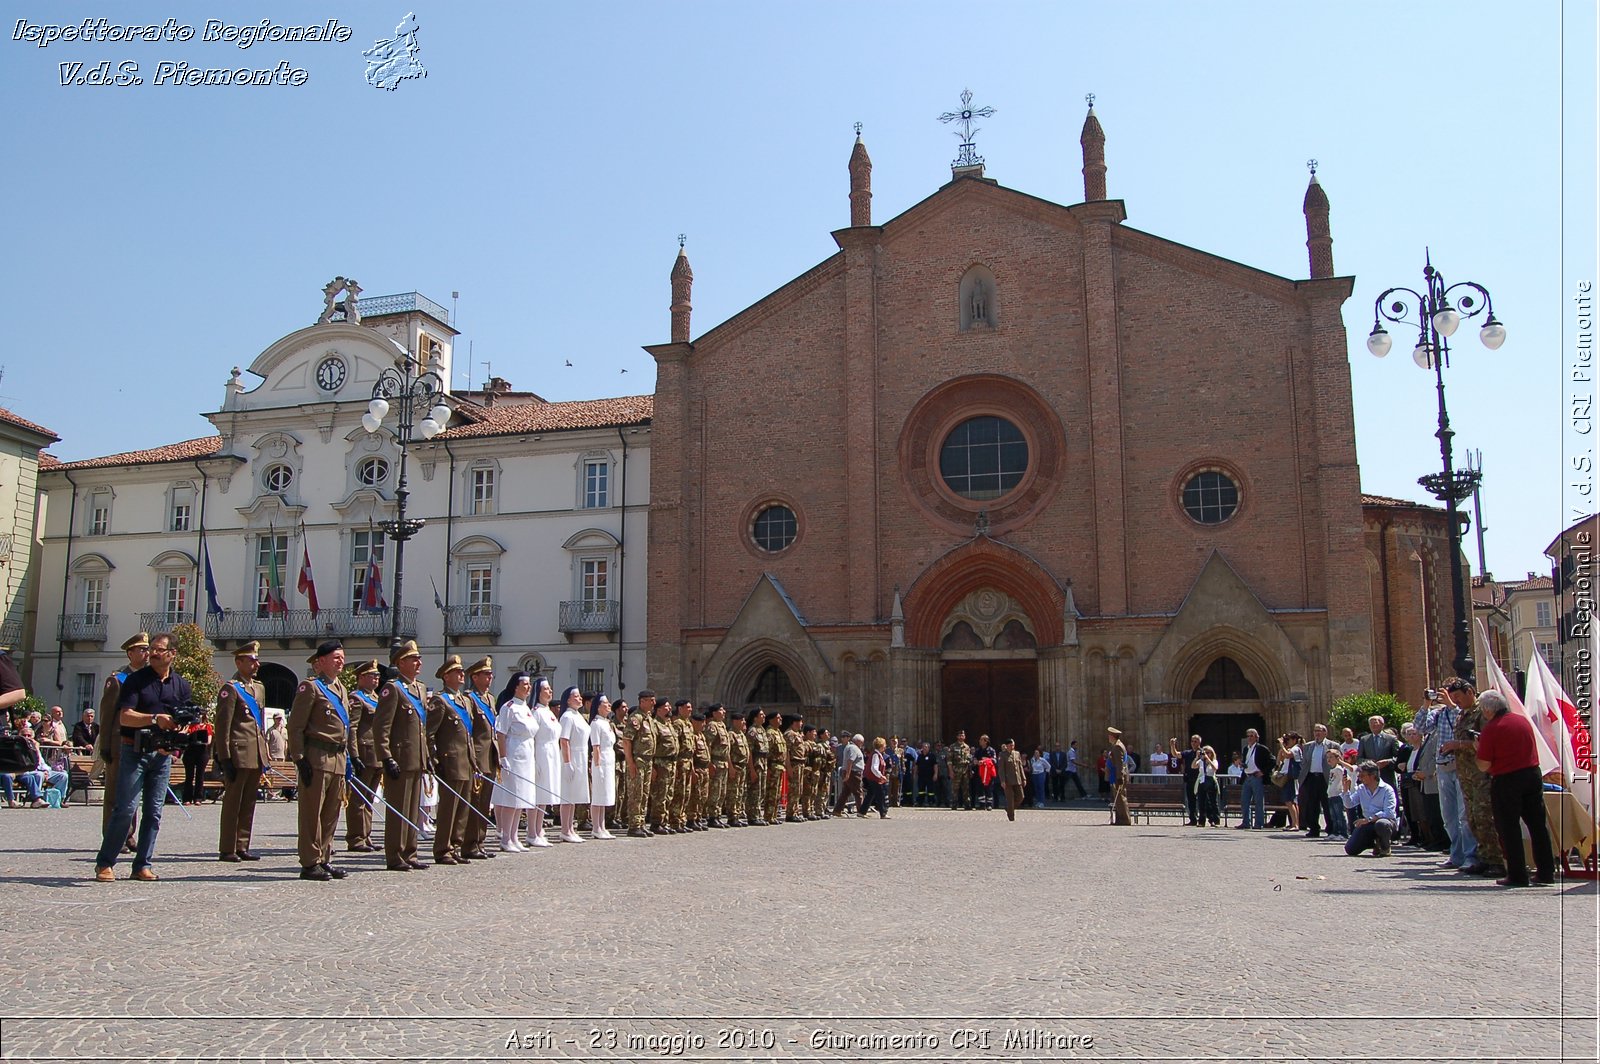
x,y
1158,762
1256,765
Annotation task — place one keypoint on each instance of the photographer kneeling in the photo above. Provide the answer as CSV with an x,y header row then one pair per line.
x,y
153,702
1376,800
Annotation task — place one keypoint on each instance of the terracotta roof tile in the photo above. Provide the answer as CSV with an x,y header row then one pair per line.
x,y
203,447
1385,500
48,461
23,423
516,419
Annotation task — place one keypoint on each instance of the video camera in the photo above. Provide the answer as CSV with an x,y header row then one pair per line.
x,y
175,738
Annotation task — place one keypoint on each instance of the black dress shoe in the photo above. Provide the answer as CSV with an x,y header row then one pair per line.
x,y
231,858
365,847
418,865
444,859
1512,883
246,855
336,873
316,872
480,855
399,867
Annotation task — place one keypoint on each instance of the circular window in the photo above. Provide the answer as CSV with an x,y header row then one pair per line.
x,y
1210,497
774,528
372,471
983,458
277,478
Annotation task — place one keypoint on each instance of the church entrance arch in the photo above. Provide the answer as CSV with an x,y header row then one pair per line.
x,y
989,676
1223,705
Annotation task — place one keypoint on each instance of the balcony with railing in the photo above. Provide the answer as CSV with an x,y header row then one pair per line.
x,y
471,620
590,615
82,628
162,621
11,635
241,626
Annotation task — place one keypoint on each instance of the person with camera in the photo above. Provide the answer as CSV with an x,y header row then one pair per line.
x,y
319,735
242,753
1379,810
149,704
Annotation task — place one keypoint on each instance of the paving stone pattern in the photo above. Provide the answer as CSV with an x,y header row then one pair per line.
x,y
932,936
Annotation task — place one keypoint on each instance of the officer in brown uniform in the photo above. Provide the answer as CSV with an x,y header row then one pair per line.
x,y
756,784
366,768
717,746
700,777
319,735
137,647
794,745
401,742
777,768
682,780
639,754
666,767
480,677
455,763
1013,777
738,773
241,752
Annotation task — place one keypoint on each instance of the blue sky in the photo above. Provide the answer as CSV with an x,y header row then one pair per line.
x,y
546,164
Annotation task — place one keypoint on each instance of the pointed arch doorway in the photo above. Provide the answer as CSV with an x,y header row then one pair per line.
x,y
989,674
1223,706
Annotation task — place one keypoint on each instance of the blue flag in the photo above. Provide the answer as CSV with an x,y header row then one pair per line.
x,y
212,605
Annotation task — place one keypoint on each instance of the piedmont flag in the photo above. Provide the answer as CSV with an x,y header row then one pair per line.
x,y
372,591
1557,718
212,605
1548,762
307,583
275,603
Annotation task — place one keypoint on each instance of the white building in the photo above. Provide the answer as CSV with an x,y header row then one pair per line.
x,y
534,511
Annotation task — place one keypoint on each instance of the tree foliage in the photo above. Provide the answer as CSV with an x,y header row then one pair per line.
x,y
193,663
1352,712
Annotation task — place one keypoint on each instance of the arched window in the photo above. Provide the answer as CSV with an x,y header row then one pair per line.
x,y
773,686
1224,680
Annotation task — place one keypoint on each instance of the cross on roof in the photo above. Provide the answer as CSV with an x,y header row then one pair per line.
x,y
967,156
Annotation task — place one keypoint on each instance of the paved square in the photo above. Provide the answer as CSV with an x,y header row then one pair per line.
x,y
933,936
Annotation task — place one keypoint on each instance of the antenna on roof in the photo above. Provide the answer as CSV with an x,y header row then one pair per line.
x,y
1475,463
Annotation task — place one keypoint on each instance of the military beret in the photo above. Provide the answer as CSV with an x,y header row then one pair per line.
x,y
324,649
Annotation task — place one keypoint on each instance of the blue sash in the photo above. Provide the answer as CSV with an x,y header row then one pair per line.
x,y
422,711
250,703
337,703
450,700
372,703
485,707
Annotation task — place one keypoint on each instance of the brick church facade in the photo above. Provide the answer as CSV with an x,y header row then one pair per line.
x,y
1015,466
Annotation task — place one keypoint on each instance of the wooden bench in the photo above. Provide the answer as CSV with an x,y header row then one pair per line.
x,y
1231,790
1151,795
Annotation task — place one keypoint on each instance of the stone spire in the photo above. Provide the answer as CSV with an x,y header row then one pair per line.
x,y
860,183
1319,239
682,282
1093,139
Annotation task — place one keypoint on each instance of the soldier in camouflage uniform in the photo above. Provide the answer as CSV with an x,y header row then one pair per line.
x,y
700,777
639,752
777,768
717,744
827,761
756,784
958,766
794,748
808,770
734,811
1475,786
682,782
662,779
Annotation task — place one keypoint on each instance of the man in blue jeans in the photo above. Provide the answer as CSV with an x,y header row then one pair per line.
x,y
1379,811
145,705
1258,764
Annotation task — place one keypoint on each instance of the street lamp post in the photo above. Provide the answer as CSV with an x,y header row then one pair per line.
x,y
413,390
1437,320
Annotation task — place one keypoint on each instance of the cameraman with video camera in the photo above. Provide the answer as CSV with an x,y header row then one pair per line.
x,y
153,702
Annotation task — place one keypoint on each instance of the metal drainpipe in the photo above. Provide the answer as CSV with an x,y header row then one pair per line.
x,y
449,523
1388,616
200,550
622,559
66,573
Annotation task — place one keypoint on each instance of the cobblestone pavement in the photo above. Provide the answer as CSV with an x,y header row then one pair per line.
x,y
945,936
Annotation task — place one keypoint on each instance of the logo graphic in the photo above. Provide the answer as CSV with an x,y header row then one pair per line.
x,y
393,61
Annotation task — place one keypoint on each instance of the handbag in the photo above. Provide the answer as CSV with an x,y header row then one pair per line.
x,y
16,755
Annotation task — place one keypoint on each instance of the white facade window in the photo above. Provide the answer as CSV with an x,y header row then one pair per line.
x,y
274,545
596,484
276,478
480,588
1543,614
87,691
175,598
99,514
181,511
93,596
1548,652
480,490
591,681
372,472
366,547
594,588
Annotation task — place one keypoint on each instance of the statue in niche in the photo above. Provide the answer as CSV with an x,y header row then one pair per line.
x,y
979,303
